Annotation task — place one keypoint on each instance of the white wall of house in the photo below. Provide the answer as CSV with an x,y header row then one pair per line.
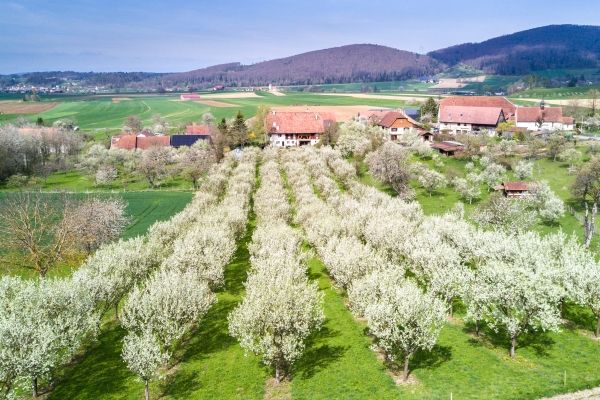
x,y
455,127
279,139
532,126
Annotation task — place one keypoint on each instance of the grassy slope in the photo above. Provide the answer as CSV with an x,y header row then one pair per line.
x,y
337,362
473,368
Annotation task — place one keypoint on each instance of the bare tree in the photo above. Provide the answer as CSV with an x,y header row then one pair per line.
x,y
593,100
35,230
98,221
133,122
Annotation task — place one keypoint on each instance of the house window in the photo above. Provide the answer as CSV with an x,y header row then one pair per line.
x,y
394,129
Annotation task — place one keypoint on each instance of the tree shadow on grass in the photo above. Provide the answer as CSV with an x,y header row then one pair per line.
x,y
318,354
101,373
539,342
431,359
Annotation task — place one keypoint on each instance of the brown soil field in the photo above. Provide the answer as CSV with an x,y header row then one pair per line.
x,y
277,93
553,102
215,103
342,113
454,84
26,108
226,95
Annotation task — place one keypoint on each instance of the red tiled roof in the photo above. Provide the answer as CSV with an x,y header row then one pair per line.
x,y
481,101
146,142
391,117
470,115
198,130
568,120
531,114
190,96
126,142
299,122
144,134
518,186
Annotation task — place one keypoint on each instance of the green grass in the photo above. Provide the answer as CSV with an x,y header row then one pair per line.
x,y
555,93
337,362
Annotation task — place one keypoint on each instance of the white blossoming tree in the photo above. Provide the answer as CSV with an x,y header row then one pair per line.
x,y
404,320
143,356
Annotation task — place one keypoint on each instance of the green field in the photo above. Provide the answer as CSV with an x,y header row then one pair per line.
x,y
97,113
556,93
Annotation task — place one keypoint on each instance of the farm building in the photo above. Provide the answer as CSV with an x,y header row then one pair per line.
x,y
192,96
396,123
297,128
448,148
197,130
542,117
187,140
517,190
463,119
142,140
508,108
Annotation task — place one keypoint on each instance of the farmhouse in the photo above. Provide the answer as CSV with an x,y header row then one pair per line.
x,y
463,119
396,123
193,134
508,108
297,128
192,96
542,117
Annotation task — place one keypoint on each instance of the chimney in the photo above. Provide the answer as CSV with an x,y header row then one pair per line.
x,y
316,117
273,111
193,124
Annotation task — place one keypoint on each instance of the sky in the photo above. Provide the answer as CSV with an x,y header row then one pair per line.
x,y
178,36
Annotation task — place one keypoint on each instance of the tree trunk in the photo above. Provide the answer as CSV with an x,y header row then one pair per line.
x,y
147,391
512,347
589,223
562,301
35,387
452,307
406,368
598,327
277,372
476,327
117,311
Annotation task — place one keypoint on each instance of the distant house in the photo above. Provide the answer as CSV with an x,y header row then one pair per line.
x,y
297,128
191,96
428,79
448,148
197,130
141,140
517,190
542,117
219,87
462,119
397,123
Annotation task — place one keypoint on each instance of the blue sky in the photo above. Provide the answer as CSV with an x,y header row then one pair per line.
x,y
176,35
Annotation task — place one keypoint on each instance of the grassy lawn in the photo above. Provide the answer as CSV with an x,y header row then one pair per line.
x,y
337,362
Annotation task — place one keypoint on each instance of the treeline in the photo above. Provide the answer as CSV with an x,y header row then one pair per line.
x,y
115,79
549,47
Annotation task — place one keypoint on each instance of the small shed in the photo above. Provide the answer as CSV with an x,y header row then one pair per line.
x,y
448,147
517,190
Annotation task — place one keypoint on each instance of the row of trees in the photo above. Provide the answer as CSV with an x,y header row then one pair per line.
x,y
513,281
175,299
45,321
281,308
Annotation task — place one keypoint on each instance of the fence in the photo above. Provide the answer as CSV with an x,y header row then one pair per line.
x,y
581,218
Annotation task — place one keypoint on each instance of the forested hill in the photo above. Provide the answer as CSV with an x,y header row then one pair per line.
x,y
548,47
353,63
